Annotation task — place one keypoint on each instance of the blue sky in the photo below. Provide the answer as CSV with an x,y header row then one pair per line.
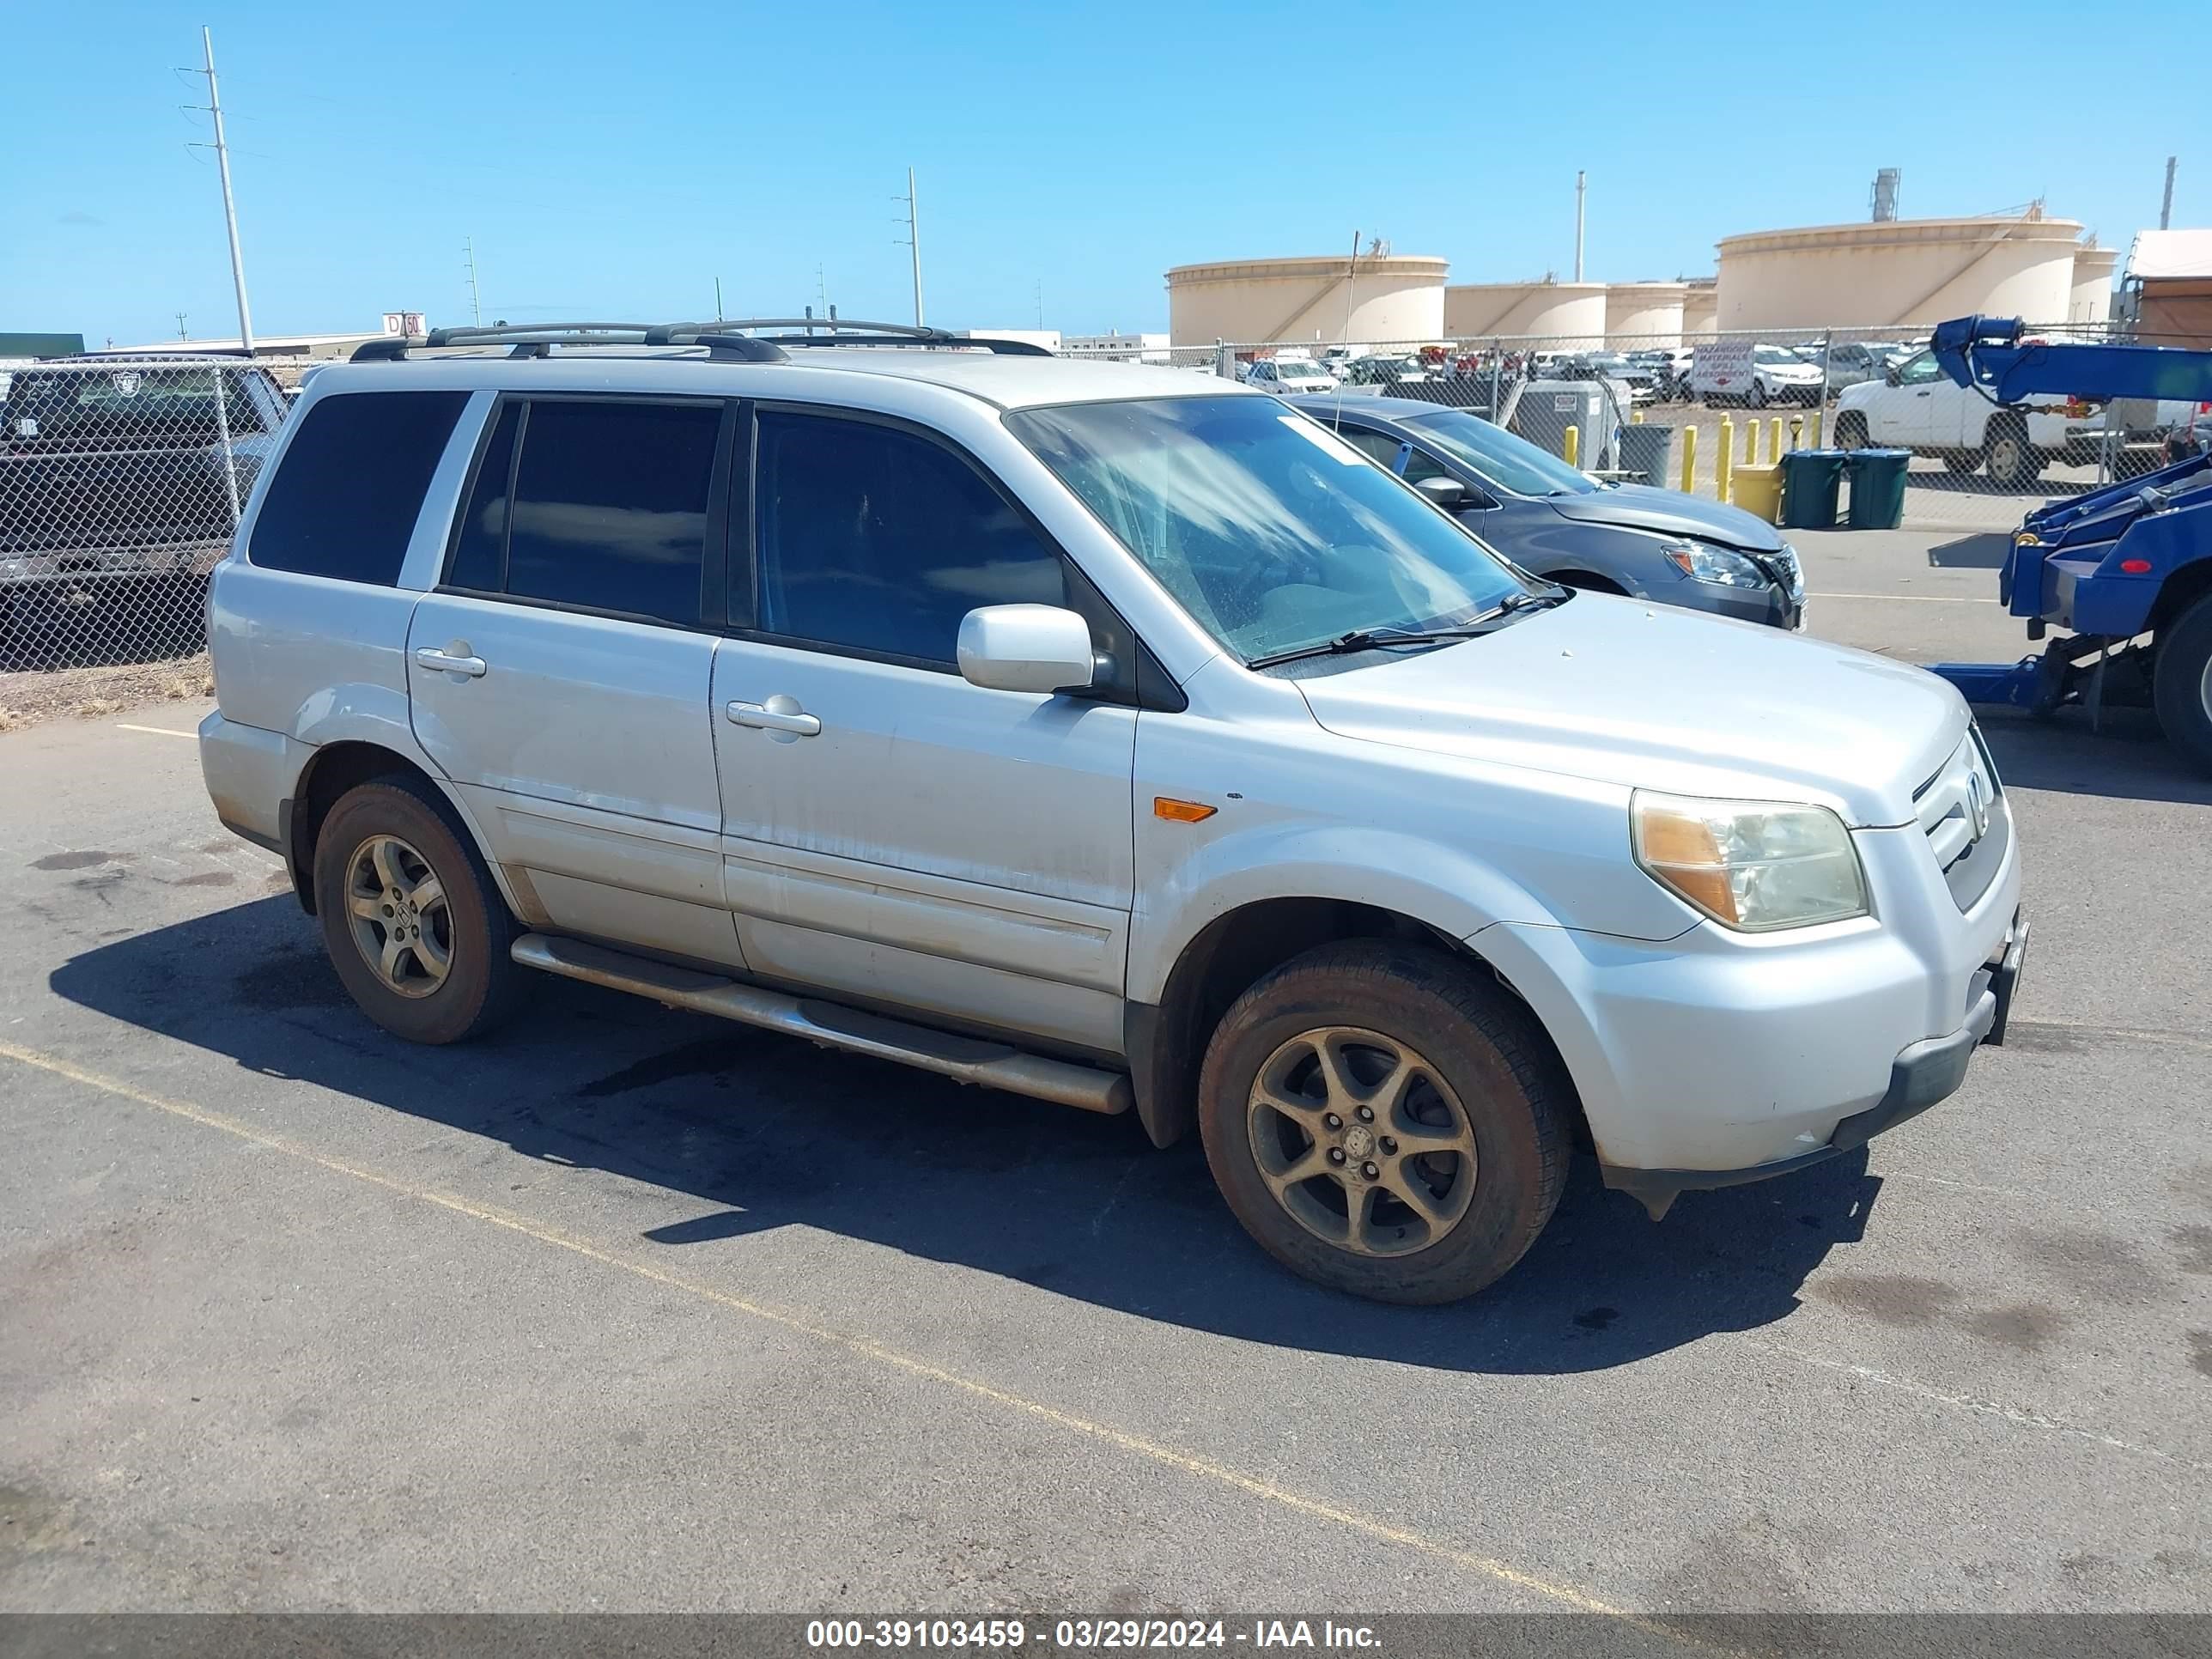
x,y
613,161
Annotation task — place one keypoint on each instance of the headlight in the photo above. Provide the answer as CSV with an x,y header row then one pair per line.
x,y
1755,865
1702,562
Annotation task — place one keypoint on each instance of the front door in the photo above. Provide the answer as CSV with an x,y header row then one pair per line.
x,y
890,830
560,674
1905,414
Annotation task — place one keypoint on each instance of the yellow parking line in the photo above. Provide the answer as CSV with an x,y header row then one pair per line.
x,y
865,1348
154,731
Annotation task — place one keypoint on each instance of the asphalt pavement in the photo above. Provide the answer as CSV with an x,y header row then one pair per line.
x,y
629,1308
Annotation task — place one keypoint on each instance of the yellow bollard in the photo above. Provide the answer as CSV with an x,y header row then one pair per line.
x,y
1797,432
1636,417
1750,440
1571,447
1689,459
1813,430
1774,446
1724,458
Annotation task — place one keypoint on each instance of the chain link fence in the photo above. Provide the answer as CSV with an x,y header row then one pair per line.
x,y
1712,413
121,481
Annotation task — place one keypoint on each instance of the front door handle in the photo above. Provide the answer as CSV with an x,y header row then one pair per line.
x,y
780,715
455,662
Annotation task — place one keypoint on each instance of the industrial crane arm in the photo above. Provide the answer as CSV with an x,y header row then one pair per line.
x,y
1986,353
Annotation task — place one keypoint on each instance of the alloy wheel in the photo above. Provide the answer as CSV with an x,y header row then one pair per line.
x,y
1361,1141
399,917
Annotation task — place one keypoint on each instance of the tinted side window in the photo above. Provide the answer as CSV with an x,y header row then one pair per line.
x,y
610,504
1377,446
344,502
877,540
480,538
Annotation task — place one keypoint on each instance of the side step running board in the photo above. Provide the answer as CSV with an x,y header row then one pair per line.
x,y
994,1064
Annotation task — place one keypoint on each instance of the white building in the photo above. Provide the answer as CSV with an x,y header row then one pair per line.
x,y
1122,348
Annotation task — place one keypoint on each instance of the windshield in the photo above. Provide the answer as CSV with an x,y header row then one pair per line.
x,y
1778,355
1497,457
1272,533
1299,371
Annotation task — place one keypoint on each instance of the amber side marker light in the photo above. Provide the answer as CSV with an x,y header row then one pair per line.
x,y
1181,811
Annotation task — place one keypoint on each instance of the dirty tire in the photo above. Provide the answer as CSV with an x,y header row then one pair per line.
x,y
1514,1094
2181,683
1850,430
479,981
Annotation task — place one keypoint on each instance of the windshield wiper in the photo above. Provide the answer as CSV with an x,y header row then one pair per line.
x,y
1370,639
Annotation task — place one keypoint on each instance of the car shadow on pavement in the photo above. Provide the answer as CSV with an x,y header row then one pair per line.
x,y
766,1131
2129,760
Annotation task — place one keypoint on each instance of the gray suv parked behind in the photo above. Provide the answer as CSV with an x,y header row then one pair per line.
x,y
1110,735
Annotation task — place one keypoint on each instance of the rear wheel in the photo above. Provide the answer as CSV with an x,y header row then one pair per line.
x,y
2013,462
415,929
2181,683
1757,397
1384,1122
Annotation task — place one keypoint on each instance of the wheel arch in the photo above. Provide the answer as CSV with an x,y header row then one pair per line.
x,y
1230,954
2179,592
332,770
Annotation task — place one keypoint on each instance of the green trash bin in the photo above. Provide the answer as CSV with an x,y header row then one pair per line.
x,y
1645,450
1878,488
1810,481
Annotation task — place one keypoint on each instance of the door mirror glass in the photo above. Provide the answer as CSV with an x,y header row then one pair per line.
x,y
1445,492
1891,375
1026,647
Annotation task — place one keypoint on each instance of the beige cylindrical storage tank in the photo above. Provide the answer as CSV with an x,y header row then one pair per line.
x,y
1572,314
1899,272
1700,304
1386,298
2092,284
1640,314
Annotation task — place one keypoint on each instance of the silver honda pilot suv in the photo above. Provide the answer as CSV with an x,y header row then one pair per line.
x,y
1108,734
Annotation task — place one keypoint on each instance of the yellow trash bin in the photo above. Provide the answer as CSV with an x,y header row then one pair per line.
x,y
1758,491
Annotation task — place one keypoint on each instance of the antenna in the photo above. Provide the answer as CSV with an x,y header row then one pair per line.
x,y
229,206
913,239
476,296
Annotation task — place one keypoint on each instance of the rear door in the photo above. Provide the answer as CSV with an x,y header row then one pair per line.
x,y
560,673
891,831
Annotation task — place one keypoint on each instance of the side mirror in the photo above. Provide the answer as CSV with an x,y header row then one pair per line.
x,y
1447,493
1025,648
1891,375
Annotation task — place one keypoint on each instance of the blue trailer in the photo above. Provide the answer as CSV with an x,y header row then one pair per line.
x,y
2126,569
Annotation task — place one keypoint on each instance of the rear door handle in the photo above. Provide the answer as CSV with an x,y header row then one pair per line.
x,y
429,656
779,714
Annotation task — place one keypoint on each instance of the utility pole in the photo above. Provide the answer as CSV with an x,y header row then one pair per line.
x,y
476,295
2166,208
1039,304
1581,185
822,289
181,335
913,242
229,207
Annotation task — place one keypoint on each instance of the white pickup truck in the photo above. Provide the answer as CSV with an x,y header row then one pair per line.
x,y
1918,407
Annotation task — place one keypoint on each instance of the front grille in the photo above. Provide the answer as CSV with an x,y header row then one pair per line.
x,y
1968,822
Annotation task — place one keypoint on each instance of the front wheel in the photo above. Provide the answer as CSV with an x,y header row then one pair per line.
x,y
2181,683
418,934
1757,398
1385,1122
1850,430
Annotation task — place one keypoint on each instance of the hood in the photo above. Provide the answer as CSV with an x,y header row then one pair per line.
x,y
1670,512
1644,695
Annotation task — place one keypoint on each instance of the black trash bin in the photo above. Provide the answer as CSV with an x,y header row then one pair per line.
x,y
1645,450
1878,488
1810,481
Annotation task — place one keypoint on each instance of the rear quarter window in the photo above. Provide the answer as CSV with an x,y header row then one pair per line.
x,y
350,485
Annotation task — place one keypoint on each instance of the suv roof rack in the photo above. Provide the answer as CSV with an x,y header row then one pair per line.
x,y
726,340
537,340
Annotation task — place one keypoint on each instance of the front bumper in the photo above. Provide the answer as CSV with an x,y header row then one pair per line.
x,y
1923,1074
